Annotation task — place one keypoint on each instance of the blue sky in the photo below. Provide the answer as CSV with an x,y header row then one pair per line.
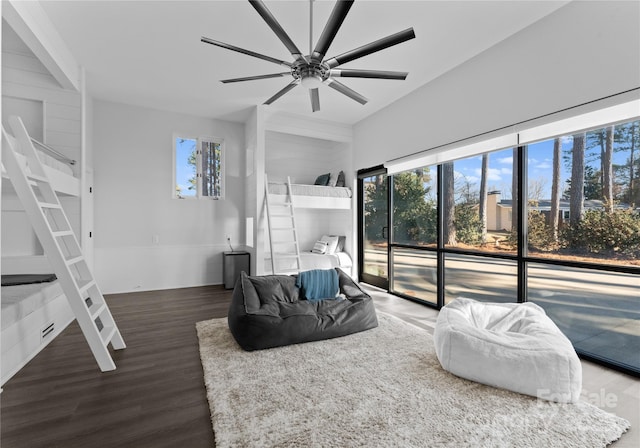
x,y
540,167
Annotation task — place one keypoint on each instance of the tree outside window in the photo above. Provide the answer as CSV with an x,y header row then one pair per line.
x,y
199,170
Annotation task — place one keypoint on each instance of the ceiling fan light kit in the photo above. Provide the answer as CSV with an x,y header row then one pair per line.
x,y
313,70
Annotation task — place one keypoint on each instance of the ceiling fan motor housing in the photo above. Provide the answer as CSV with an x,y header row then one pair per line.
x,y
311,74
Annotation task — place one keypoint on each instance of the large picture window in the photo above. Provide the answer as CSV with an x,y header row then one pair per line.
x,y
456,231
584,196
478,202
199,170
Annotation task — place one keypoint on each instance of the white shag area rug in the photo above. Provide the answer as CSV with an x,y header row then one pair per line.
x,y
382,387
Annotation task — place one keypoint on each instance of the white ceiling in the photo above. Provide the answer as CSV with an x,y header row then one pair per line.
x,y
149,53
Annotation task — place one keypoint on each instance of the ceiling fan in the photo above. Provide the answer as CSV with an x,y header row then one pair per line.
x,y
314,69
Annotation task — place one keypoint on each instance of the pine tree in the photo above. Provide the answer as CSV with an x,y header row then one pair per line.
x,y
576,197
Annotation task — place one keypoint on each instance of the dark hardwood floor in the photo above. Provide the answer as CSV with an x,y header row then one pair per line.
x,y
155,398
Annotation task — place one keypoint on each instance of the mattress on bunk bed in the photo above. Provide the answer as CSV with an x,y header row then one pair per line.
x,y
54,163
311,190
21,300
310,260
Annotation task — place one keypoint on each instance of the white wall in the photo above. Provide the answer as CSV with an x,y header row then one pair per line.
x,y
254,196
304,158
133,165
582,52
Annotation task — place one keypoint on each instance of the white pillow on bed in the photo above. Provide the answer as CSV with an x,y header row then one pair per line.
x,y
320,247
332,243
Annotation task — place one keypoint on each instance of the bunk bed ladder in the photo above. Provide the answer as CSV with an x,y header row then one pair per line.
x,y
60,245
283,234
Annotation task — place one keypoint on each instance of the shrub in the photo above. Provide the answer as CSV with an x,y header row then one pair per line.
x,y
602,232
468,225
540,236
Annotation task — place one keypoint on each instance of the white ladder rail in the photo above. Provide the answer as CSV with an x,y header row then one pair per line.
x,y
60,245
292,239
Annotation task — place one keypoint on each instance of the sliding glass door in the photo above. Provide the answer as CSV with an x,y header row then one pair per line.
x,y
373,217
414,236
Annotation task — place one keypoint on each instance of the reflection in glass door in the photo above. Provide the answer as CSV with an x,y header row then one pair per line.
x,y
373,218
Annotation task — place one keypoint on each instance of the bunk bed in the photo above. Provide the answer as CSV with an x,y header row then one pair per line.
x,y
283,145
33,311
301,196
315,196
58,167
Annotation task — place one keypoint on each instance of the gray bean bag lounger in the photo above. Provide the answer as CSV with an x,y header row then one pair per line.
x,y
270,311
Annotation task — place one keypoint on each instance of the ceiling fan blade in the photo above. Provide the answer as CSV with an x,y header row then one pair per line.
x,y
338,15
288,87
255,78
275,26
377,74
243,51
372,47
315,100
347,91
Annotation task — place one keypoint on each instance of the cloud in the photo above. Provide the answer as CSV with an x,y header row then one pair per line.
x,y
506,160
493,174
467,177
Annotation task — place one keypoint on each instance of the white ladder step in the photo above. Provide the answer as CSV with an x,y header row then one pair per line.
x,y
107,334
62,233
74,260
96,309
37,178
85,286
50,205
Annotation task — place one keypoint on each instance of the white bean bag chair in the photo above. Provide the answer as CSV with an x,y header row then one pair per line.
x,y
508,345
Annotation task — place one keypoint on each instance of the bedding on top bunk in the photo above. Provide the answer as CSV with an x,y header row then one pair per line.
x,y
54,163
310,190
21,300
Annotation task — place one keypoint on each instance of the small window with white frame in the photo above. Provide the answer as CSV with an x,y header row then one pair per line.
x,y
198,167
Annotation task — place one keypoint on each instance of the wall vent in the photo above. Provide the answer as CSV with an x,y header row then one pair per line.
x,y
47,330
